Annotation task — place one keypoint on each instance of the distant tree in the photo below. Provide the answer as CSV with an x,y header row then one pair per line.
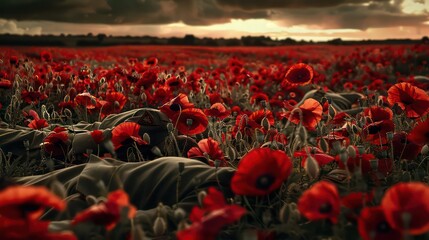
x,y
189,39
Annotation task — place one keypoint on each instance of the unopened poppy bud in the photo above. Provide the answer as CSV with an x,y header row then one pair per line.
x,y
389,136
170,127
179,214
146,138
312,167
361,149
181,167
303,134
156,151
131,157
380,101
91,200
374,164
159,226
143,97
265,123
232,155
323,144
284,214
66,98
238,136
425,150
351,151
137,232
201,195
344,157
217,163
336,146
26,144
267,217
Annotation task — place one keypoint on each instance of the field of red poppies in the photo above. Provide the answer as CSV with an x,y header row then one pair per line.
x,y
327,142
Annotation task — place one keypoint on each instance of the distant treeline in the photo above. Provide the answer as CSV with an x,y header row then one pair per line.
x,y
187,40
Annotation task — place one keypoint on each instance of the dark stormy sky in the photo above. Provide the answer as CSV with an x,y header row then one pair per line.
x,y
299,19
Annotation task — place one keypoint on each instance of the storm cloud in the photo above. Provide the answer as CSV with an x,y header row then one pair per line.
x,y
327,14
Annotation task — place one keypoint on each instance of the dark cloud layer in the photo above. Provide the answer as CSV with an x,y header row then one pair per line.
x,y
327,14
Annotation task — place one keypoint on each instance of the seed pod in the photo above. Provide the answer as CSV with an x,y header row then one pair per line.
x,y
312,167
159,226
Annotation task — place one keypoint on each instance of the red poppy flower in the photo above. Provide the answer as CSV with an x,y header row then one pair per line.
x,y
258,97
372,224
38,124
311,114
191,121
55,144
147,79
404,147
27,202
18,229
299,74
174,83
321,201
97,136
377,113
175,105
259,115
355,201
321,157
376,133
245,125
261,171
357,162
211,218
413,100
406,208
33,96
5,84
207,146
420,133
107,213
46,56
217,110
340,119
85,100
125,134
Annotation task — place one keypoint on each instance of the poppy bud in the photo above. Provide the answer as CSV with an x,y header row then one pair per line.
x,y
26,145
137,232
336,146
170,127
231,153
143,97
156,151
179,214
217,163
91,200
389,136
351,151
361,149
265,123
323,144
344,157
146,138
201,195
425,150
374,164
159,226
238,136
266,217
312,167
131,157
